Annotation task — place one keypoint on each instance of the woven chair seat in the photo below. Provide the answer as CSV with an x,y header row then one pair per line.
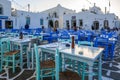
x,y
69,75
47,64
12,53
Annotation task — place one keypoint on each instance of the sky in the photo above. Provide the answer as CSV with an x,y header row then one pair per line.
x,y
77,5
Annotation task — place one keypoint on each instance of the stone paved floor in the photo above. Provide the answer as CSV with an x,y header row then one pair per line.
x,y
110,70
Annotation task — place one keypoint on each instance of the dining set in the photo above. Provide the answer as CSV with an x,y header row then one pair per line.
x,y
60,59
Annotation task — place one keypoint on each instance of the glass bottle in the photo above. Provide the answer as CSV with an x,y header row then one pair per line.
x,y
21,35
73,42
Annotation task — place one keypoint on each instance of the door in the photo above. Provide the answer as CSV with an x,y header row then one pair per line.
x,y
8,24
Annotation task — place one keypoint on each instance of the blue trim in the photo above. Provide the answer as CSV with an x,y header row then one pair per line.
x,y
3,17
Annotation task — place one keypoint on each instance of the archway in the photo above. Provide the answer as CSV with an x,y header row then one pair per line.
x,y
56,24
50,23
95,25
106,24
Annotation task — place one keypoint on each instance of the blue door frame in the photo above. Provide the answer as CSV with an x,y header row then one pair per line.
x,y
0,24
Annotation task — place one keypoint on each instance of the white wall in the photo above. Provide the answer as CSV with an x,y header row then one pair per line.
x,y
60,13
88,19
34,19
6,11
6,7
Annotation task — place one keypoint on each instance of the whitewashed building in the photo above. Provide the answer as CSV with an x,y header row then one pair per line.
x,y
49,18
55,15
34,20
58,17
93,17
6,20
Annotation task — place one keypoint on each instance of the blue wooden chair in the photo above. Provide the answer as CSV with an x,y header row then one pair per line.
x,y
85,43
29,51
83,66
7,55
65,75
43,68
102,42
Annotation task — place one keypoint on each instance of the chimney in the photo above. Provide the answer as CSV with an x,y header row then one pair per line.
x,y
105,10
94,4
28,7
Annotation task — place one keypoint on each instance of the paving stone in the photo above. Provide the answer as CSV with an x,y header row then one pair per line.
x,y
26,74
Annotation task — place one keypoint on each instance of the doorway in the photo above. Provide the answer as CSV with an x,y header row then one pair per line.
x,y
8,24
73,23
56,24
50,23
96,25
106,24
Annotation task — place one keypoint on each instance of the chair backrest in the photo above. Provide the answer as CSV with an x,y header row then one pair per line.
x,y
4,45
65,40
37,62
100,41
85,43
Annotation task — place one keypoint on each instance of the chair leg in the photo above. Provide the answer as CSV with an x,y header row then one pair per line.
x,y
79,68
0,65
38,74
83,71
73,65
13,63
106,53
1,62
28,60
7,61
32,59
60,60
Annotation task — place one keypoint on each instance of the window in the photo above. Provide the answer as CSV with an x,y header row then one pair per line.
x,y
28,20
55,14
80,22
41,21
1,9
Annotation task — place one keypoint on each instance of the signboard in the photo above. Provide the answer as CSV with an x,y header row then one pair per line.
x,y
3,17
74,17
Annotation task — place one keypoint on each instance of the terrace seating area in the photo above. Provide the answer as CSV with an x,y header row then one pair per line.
x,y
35,54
